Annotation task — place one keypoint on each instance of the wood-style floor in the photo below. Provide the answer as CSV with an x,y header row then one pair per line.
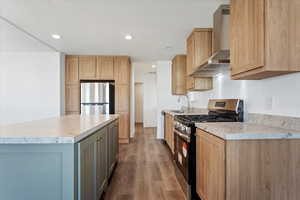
x,y
145,171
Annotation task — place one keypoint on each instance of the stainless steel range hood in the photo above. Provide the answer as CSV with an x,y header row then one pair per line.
x,y
220,60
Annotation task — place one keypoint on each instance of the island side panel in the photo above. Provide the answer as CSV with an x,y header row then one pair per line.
x,y
263,169
37,171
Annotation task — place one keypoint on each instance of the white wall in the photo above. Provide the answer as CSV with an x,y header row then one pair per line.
x,y
31,77
165,99
144,73
30,86
150,100
277,96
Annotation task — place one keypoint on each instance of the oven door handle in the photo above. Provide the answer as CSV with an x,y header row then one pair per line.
x,y
186,138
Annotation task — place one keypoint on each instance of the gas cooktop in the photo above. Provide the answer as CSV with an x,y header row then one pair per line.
x,y
192,119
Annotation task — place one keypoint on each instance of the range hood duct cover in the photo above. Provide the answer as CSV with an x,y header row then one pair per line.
x,y
220,60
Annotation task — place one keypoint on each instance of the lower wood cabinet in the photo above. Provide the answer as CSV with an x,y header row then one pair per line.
x,y
210,167
179,75
247,169
98,155
169,131
124,127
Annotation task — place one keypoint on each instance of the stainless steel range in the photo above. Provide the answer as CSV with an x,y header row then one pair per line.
x,y
220,110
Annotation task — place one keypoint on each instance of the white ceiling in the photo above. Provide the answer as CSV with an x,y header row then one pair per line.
x,y
14,40
99,26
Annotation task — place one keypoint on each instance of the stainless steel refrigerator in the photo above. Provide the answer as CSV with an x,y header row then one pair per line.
x,y
97,98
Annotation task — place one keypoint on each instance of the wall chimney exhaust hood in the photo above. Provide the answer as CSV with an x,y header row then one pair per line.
x,y
220,60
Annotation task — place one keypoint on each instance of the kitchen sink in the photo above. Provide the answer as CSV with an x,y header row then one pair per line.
x,y
177,111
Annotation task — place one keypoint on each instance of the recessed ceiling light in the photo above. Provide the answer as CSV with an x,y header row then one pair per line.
x,y
56,36
128,37
153,66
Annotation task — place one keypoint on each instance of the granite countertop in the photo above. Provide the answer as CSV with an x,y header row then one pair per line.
x,y
65,129
247,131
187,112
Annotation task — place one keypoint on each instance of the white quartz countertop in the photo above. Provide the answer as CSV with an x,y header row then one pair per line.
x,y
187,112
247,131
65,129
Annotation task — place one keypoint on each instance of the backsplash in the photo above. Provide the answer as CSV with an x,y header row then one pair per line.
x,y
275,121
273,96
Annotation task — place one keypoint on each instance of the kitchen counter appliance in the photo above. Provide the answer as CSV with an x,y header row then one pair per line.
x,y
220,110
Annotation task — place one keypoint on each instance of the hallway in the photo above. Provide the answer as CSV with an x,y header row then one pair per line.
x,y
145,171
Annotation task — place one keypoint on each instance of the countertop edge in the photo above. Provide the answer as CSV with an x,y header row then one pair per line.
x,y
250,136
87,133
56,140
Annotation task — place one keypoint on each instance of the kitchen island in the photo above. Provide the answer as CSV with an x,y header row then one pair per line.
x,y
64,158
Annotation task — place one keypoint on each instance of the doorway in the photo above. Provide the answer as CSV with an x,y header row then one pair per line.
x,y
139,104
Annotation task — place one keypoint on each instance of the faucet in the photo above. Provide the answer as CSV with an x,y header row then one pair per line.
x,y
188,104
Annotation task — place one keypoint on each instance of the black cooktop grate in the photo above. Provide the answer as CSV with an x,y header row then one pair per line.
x,y
192,119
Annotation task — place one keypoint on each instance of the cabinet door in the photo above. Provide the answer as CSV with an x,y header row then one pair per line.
x,y
72,100
101,161
87,67
203,47
122,97
179,75
111,153
72,70
171,124
124,126
210,172
190,83
105,67
87,164
190,55
167,131
122,70
247,35
170,132
116,140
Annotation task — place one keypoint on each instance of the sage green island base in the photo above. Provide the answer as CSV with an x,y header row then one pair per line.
x,y
66,158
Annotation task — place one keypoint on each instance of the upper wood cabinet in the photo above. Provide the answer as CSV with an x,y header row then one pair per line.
x,y
179,75
72,70
87,67
264,38
105,67
122,69
199,48
199,83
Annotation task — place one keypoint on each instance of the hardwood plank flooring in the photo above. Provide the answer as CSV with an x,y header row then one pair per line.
x,y
145,171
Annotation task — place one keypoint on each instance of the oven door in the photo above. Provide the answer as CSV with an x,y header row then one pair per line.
x,y
182,145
